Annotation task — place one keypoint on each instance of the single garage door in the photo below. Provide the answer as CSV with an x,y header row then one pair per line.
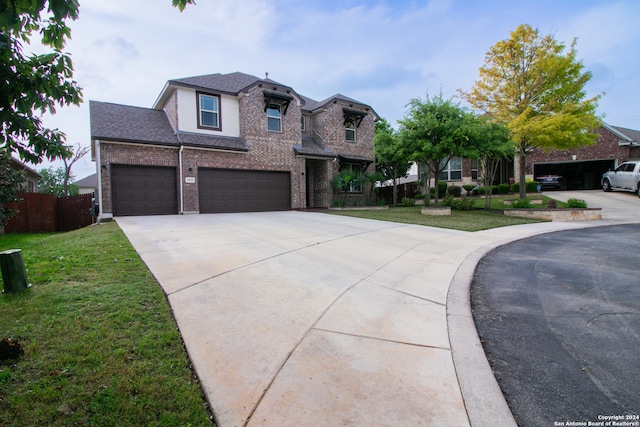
x,y
234,190
143,190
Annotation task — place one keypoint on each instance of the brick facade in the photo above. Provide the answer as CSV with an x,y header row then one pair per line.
x,y
254,148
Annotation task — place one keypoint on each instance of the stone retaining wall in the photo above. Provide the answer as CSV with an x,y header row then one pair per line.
x,y
588,214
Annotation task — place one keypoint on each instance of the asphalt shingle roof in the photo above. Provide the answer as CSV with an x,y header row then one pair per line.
x,y
115,122
632,134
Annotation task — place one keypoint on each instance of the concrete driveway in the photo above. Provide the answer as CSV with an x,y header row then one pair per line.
x,y
299,318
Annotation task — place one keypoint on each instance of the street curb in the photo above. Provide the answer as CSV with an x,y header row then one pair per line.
x,y
481,393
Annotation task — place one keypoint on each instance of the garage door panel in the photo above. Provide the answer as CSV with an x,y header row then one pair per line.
x,y
233,190
143,190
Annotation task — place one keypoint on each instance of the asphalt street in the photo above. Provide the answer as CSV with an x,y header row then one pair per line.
x,y
559,319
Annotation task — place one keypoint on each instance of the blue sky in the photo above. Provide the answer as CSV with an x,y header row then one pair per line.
x,y
383,53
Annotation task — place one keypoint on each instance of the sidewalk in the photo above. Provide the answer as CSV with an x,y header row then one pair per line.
x,y
298,318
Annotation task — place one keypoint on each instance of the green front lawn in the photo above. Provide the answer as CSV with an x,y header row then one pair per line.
x,y
101,346
473,220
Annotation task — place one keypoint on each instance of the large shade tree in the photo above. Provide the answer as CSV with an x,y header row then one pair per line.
x,y
436,130
536,86
32,85
391,161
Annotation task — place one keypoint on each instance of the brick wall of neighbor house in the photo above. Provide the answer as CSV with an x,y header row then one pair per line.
x,y
128,154
605,148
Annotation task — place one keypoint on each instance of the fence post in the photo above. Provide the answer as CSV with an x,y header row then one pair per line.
x,y
14,274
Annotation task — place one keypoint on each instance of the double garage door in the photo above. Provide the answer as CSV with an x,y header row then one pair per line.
x,y
153,190
233,190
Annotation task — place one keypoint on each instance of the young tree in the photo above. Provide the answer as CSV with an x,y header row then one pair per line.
x,y
530,83
492,145
11,184
391,161
434,131
37,83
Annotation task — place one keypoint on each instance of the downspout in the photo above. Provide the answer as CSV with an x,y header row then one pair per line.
x,y
181,181
99,189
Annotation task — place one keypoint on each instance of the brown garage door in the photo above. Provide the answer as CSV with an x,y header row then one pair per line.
x,y
233,190
143,190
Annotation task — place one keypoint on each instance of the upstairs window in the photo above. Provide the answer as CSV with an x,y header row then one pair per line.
x,y
352,119
303,123
208,111
274,118
350,129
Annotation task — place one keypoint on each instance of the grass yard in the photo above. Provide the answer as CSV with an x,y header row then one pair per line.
x,y
473,220
100,344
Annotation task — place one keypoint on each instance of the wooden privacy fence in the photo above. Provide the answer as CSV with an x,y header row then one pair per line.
x,y
46,213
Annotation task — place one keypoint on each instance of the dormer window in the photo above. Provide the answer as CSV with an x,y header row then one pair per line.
x,y
352,119
208,111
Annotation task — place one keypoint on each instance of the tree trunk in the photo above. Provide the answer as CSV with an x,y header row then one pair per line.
x,y
395,188
523,183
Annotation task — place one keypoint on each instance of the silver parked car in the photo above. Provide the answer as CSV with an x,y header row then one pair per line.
x,y
625,177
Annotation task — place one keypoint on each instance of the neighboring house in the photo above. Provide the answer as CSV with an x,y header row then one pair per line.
x,y
88,184
227,143
580,168
31,176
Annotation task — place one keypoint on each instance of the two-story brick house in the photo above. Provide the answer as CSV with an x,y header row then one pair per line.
x,y
227,143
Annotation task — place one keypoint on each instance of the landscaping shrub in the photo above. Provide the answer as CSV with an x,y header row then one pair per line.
x,y
576,204
481,191
464,204
406,202
469,188
442,190
454,190
522,204
532,186
503,188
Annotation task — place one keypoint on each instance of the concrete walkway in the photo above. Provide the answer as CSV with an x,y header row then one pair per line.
x,y
301,319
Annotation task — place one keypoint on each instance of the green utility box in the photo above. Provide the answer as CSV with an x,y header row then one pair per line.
x,y
14,274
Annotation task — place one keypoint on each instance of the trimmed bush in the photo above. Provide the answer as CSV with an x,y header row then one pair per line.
x,y
442,190
532,187
503,188
406,202
454,190
576,204
522,204
464,204
481,191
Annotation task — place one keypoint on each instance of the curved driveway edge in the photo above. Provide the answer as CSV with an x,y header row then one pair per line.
x,y
298,318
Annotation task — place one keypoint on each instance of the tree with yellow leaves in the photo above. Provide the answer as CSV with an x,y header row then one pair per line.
x,y
530,83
